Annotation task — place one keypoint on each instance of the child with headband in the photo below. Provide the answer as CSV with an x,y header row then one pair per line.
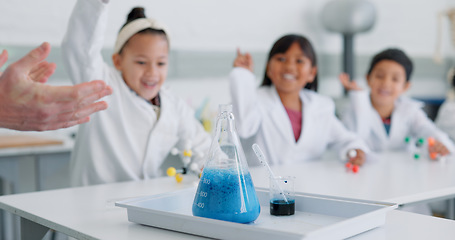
x,y
133,137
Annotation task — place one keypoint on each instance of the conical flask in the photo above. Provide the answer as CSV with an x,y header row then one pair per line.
x,y
226,191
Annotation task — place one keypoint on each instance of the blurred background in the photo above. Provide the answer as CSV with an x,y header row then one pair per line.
x,y
206,33
204,37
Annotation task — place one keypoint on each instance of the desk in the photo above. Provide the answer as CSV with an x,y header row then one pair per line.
x,y
33,168
392,177
89,213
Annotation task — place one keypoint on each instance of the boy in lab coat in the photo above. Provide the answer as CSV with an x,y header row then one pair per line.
x,y
383,117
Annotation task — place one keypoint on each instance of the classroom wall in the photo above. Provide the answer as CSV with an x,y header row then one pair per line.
x,y
207,25
205,34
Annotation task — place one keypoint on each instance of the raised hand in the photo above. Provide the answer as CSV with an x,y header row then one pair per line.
x,y
243,60
29,104
347,84
3,58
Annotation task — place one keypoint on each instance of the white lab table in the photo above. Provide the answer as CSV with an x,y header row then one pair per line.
x,y
392,177
89,213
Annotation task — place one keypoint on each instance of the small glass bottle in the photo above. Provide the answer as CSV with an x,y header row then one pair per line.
x,y
226,190
282,196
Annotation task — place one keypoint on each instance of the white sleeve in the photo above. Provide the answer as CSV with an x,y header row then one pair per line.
x,y
244,102
425,127
356,104
348,116
446,118
191,129
83,41
345,140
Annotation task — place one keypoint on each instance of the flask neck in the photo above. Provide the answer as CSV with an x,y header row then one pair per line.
x,y
225,126
226,150
225,108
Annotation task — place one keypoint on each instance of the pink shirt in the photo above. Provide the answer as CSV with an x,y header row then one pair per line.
x,y
296,122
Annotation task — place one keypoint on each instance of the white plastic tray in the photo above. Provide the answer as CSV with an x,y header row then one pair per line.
x,y
316,217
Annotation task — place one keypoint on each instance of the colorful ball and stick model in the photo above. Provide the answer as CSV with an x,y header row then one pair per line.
x,y
352,154
419,147
189,166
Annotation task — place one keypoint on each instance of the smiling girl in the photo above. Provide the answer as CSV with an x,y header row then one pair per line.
x,y
131,139
285,115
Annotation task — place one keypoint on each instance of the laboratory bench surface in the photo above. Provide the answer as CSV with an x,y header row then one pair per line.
x,y
90,213
390,177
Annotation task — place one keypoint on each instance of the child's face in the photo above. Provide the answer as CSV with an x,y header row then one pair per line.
x,y
144,63
387,82
290,71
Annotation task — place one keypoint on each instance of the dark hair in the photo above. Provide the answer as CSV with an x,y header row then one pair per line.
x,y
395,55
453,77
136,13
282,45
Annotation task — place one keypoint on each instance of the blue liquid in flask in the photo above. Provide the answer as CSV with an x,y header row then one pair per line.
x,y
224,194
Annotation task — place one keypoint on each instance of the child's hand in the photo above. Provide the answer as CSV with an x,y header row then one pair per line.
x,y
349,85
243,60
359,159
438,147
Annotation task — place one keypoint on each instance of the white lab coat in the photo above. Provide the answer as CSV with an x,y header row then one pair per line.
x,y
262,118
408,120
126,141
446,118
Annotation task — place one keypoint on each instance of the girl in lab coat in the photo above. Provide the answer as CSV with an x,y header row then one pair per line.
x,y
285,115
383,117
131,139
446,114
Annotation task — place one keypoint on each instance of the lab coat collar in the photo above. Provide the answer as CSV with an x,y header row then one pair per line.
x,y
144,103
307,110
407,105
378,130
312,105
159,138
280,117
404,107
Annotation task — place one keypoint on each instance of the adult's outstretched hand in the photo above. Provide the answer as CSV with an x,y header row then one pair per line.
x,y
28,104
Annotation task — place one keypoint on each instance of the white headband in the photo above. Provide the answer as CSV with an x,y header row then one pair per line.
x,y
134,27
